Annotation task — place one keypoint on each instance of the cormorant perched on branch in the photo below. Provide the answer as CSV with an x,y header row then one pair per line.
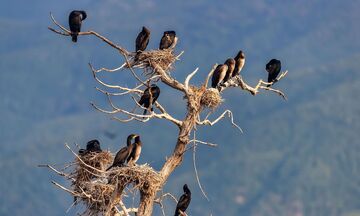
x,y
168,40
123,153
135,151
75,19
273,67
184,201
231,66
91,146
142,39
149,97
239,63
218,75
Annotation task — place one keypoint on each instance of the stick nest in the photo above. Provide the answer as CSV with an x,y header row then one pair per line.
x,y
161,58
144,177
98,190
90,183
100,161
211,98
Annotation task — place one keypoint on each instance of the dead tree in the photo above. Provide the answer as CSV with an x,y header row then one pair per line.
x,y
156,66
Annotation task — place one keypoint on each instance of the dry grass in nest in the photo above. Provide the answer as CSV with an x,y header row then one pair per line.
x,y
97,193
99,197
97,188
211,98
143,176
162,58
100,161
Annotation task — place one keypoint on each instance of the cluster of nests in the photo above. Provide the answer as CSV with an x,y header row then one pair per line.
x,y
96,188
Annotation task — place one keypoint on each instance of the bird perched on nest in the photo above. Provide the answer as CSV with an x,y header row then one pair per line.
x,y
183,202
149,97
239,63
168,40
123,153
75,20
91,146
231,66
135,151
142,40
273,67
218,75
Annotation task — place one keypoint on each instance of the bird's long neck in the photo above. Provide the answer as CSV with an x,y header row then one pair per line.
x,y
128,143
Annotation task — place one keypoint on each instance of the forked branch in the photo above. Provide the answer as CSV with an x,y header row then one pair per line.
x,y
238,81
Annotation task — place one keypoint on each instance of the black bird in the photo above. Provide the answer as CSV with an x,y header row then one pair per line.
x,y
231,66
135,152
273,67
75,19
218,75
239,63
123,153
149,97
184,201
168,40
91,146
142,39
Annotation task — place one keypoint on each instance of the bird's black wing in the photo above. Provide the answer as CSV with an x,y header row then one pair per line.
x,y
132,153
155,93
120,157
145,97
218,75
182,204
142,41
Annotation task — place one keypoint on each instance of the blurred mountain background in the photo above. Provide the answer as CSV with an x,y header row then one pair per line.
x,y
296,157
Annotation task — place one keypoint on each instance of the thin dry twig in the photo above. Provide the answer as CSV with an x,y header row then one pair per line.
x,y
188,78
195,169
211,123
209,75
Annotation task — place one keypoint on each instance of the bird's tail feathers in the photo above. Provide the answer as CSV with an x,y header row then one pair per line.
x,y
74,37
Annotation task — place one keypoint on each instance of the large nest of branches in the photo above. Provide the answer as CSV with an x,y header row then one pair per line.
x,y
143,177
160,58
97,188
211,98
84,165
90,183
96,196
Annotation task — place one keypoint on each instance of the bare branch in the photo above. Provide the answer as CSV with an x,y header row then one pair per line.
x,y
55,170
65,189
110,70
60,26
188,78
135,116
168,80
124,210
209,75
238,81
203,143
68,33
88,166
128,90
211,123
